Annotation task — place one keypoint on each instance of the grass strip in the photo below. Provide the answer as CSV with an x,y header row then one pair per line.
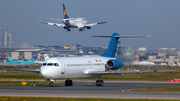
x,y
166,89
164,76
6,98
29,83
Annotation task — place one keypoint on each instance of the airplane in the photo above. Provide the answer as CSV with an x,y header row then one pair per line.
x,y
142,63
77,22
40,62
84,67
20,61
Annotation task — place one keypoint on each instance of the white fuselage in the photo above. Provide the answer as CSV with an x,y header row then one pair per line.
x,y
72,67
75,22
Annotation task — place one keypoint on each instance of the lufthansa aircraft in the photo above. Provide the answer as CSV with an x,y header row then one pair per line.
x,y
83,67
80,23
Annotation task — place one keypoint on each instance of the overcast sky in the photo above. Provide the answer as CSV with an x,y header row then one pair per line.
x,y
158,18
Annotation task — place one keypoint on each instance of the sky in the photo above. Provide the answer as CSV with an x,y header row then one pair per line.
x,y
158,18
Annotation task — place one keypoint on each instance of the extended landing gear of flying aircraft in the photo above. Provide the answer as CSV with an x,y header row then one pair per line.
x,y
68,83
81,29
51,84
68,29
99,82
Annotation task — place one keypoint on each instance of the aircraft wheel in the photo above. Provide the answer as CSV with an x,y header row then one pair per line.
x,y
70,83
97,83
68,29
101,83
66,83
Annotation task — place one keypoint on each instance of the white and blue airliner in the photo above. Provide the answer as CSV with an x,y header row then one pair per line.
x,y
77,22
83,67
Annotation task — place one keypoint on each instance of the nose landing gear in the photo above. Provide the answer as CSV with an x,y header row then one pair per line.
x,y
51,84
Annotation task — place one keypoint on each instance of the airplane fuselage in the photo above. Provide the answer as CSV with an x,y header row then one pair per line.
x,y
75,22
21,61
72,67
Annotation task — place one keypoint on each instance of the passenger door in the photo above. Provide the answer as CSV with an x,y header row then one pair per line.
x,y
63,67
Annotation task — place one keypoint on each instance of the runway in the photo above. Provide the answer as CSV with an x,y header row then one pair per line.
x,y
111,89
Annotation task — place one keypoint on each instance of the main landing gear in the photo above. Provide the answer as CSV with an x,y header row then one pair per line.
x,y
51,84
99,82
68,83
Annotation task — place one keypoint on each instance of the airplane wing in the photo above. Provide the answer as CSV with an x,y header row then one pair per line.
x,y
26,70
120,72
53,24
63,19
94,24
56,19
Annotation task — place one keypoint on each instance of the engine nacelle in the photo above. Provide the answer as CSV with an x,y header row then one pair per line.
x,y
65,27
88,27
114,64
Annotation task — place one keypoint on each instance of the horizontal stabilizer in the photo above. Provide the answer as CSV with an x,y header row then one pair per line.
x,y
124,36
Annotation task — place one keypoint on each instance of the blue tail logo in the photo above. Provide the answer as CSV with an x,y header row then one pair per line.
x,y
64,12
35,57
24,58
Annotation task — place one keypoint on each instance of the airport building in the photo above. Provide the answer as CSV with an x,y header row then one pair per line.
x,y
161,56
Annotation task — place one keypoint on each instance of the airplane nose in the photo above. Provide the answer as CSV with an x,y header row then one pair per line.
x,y
44,72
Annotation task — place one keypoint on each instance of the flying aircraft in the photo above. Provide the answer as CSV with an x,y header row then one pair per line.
x,y
20,61
77,22
84,67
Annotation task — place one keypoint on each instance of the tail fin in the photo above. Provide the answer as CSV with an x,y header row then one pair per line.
x,y
113,43
9,58
19,58
112,46
64,12
35,57
45,56
24,58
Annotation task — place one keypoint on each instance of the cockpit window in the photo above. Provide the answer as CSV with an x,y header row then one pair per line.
x,y
49,64
56,64
44,64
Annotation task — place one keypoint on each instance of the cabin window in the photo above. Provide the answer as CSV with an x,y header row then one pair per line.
x,y
56,64
44,64
49,64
